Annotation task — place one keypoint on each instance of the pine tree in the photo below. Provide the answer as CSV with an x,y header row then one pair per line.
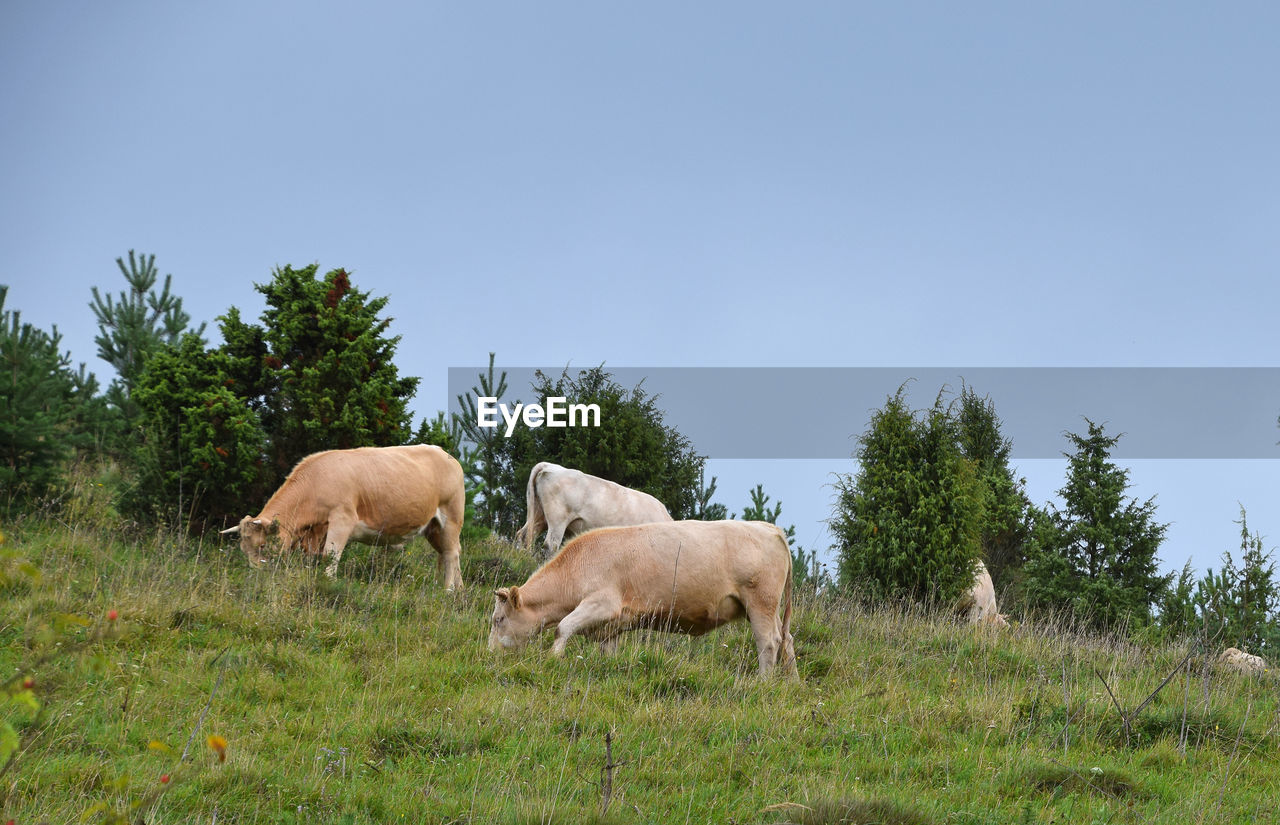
x,y
46,408
324,378
704,509
132,328
1177,614
491,472
1005,530
1259,597
1096,558
223,427
908,524
200,456
1237,606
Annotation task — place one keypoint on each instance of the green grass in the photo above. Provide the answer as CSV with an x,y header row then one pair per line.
x,y
374,699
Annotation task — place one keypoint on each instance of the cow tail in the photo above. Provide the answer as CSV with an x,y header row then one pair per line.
x,y
535,521
788,653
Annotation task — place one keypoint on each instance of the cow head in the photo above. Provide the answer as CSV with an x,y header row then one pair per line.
x,y
253,537
513,624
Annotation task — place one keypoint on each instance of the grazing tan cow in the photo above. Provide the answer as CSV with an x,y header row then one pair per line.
x,y
373,495
681,576
567,503
978,606
1236,659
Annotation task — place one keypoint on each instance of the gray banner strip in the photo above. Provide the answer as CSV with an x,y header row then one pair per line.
x,y
818,412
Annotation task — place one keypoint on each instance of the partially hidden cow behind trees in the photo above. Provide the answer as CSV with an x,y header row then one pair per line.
x,y
682,576
978,604
567,502
373,495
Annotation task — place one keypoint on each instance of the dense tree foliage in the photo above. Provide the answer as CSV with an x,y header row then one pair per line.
x,y
909,522
201,446
1004,530
223,427
320,368
1096,558
47,409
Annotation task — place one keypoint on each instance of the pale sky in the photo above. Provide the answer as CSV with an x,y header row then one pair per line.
x,y
676,184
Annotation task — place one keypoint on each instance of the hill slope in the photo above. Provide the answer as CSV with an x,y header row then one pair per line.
x,y
374,699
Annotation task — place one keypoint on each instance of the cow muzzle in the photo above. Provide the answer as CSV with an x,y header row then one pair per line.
x,y
498,641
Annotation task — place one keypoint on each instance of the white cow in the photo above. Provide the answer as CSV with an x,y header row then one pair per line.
x,y
373,495
567,503
978,606
682,576
1236,659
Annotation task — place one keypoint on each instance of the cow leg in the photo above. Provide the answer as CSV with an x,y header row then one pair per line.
x,y
444,534
767,631
592,612
555,537
558,517
334,543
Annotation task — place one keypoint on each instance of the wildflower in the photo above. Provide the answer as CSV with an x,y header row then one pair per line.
x,y
219,746
28,683
112,615
164,779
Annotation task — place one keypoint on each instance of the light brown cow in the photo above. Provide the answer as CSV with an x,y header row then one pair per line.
x,y
567,503
373,495
683,576
978,606
1237,660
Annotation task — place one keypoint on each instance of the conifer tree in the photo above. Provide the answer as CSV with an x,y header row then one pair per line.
x,y
1177,614
908,523
46,408
1097,557
324,377
200,456
704,509
223,427
1237,606
1004,532
491,471
132,327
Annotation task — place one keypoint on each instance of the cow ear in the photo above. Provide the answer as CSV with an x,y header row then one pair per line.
x,y
509,595
274,526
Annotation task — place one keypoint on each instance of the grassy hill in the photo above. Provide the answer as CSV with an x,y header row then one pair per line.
x,y
374,699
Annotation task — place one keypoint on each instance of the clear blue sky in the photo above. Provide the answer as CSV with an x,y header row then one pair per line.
x,y
675,184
